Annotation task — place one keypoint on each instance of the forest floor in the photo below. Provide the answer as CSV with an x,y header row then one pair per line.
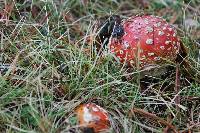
x,y
48,67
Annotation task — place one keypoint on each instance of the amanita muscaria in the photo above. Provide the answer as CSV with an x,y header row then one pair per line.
x,y
92,118
146,40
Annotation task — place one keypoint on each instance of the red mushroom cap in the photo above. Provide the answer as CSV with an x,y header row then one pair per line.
x,y
93,116
146,40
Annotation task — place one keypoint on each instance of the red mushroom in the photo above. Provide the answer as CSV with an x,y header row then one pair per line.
x,y
146,40
93,117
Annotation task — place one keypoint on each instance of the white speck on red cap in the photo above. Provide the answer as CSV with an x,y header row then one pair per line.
x,y
149,29
169,48
160,33
149,41
170,29
167,42
162,47
126,44
156,58
95,109
112,47
168,34
174,34
143,56
121,51
164,28
136,38
158,24
139,26
146,21
87,116
150,54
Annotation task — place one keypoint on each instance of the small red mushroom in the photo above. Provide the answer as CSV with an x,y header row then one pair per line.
x,y
146,40
92,118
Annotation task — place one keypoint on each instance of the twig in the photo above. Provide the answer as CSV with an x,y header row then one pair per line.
x,y
153,117
190,128
169,119
45,18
